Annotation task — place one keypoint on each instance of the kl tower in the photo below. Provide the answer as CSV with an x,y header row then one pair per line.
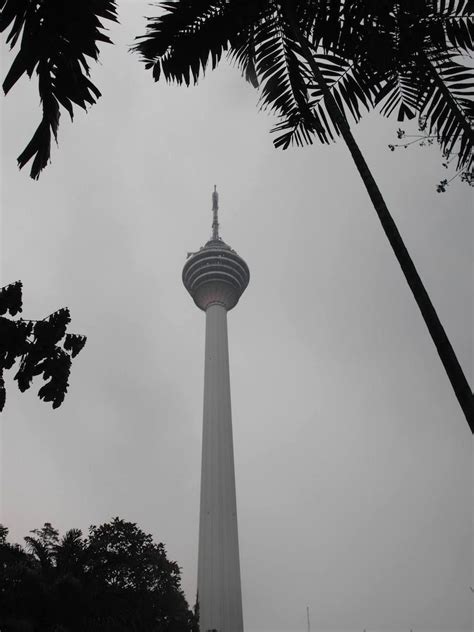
x,y
216,276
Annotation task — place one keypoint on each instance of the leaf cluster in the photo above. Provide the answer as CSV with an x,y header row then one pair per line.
x,y
398,57
115,579
54,38
39,347
394,56
416,48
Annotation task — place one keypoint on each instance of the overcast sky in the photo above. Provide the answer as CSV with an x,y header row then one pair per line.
x,y
353,460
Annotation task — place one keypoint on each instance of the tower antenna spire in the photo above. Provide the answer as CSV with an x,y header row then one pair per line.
x,y
215,208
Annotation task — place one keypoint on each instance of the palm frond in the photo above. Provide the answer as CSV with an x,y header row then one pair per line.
x,y
55,40
448,109
181,43
439,90
325,23
40,551
351,85
353,43
451,24
284,79
243,54
190,36
71,538
353,88
413,46
399,93
69,550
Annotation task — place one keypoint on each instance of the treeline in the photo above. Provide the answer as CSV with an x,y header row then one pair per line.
x,y
115,579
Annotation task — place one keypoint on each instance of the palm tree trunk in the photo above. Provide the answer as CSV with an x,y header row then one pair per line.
x,y
450,362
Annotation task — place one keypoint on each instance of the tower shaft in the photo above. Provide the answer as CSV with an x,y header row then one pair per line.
x,y
219,588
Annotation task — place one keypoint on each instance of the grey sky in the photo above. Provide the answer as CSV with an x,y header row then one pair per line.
x,y
353,460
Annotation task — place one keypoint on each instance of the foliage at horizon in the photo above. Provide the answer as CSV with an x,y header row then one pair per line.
x,y
115,579
54,40
42,347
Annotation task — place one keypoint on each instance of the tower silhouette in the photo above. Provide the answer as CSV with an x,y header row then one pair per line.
x,y
216,277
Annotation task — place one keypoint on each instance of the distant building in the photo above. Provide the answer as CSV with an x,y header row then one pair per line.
x,y
216,277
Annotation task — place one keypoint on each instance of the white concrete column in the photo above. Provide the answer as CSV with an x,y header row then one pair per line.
x,y
219,588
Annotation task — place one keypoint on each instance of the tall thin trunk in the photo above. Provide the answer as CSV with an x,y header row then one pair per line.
x,y
445,350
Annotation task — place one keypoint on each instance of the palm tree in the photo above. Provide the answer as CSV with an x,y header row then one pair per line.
x,y
314,61
415,46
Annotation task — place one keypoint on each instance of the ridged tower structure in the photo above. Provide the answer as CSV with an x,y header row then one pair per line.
x,y
216,277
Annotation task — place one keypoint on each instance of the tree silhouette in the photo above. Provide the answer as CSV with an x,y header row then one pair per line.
x,y
54,40
370,47
41,347
115,579
317,63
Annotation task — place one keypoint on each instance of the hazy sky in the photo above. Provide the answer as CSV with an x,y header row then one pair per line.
x,y
353,459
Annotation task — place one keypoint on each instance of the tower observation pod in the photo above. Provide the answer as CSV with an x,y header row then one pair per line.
x,y
216,277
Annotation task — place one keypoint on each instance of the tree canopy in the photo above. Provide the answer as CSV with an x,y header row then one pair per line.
x,y
117,579
403,58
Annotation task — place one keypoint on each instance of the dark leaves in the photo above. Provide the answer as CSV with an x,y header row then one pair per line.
x,y
285,83
440,90
414,46
74,343
369,53
13,340
115,580
400,94
10,299
36,345
56,369
182,42
49,331
55,39
452,25
447,107
441,187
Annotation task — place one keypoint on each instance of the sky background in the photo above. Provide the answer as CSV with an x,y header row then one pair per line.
x,y
354,463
